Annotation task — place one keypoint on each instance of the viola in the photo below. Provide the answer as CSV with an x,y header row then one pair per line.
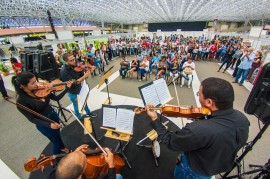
x,y
95,166
175,111
44,89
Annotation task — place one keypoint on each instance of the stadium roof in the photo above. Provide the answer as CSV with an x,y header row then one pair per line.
x,y
138,11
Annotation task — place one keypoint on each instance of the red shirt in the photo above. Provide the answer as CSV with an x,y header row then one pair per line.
x,y
17,67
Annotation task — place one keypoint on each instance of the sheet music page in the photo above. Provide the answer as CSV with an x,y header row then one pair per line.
x,y
109,116
124,120
162,90
150,95
83,95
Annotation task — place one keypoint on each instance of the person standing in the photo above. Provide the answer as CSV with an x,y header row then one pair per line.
x,y
16,66
25,83
68,73
255,64
3,89
245,65
227,59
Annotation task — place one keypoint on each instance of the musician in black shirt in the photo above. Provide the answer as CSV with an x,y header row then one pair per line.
x,y
209,146
68,73
25,83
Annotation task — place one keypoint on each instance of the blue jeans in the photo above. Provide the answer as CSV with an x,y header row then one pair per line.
x,y
227,61
243,73
142,72
123,72
154,65
74,100
183,171
118,176
52,134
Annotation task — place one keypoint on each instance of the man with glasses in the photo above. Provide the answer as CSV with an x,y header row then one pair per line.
x,y
208,146
68,73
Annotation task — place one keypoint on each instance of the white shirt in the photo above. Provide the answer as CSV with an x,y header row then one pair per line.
x,y
192,64
147,65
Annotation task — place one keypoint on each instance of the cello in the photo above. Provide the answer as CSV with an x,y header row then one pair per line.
x,y
95,166
95,163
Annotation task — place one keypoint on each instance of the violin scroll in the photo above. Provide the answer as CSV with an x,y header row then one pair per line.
x,y
31,165
139,110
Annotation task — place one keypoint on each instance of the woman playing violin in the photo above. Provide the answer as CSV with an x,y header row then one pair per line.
x,y
25,84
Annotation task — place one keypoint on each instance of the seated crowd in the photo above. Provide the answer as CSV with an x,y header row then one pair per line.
x,y
170,57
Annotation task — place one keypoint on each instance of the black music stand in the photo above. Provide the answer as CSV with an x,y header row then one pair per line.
x,y
60,111
264,171
103,80
120,136
248,148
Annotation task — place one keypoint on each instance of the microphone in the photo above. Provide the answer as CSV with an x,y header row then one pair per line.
x,y
177,77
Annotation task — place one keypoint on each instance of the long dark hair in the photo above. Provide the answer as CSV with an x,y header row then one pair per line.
x,y
13,60
22,78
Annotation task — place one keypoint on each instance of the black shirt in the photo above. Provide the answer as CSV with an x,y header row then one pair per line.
x,y
39,106
67,73
210,145
110,175
229,54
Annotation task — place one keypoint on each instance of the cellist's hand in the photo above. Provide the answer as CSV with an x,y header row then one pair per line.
x,y
151,113
109,158
80,148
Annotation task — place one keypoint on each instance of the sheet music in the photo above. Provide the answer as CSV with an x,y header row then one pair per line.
x,y
124,120
150,95
83,95
109,115
162,90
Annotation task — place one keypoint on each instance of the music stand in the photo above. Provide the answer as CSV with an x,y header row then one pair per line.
x,y
120,136
103,80
60,111
152,135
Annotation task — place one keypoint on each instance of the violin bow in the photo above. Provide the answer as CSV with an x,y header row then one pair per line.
x,y
31,111
88,133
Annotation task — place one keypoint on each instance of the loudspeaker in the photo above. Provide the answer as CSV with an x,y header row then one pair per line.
x,y
27,61
258,102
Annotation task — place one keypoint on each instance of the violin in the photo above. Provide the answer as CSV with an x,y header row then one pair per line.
x,y
81,67
174,111
44,89
95,166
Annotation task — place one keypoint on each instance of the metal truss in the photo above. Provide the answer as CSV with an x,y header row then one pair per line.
x,y
132,11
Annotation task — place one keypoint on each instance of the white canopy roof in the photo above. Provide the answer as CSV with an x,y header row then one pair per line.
x,y
139,11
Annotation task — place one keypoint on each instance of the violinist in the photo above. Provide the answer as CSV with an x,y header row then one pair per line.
x,y
68,73
209,146
25,83
72,166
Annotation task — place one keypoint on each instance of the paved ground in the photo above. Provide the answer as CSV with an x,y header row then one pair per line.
x,y
20,139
